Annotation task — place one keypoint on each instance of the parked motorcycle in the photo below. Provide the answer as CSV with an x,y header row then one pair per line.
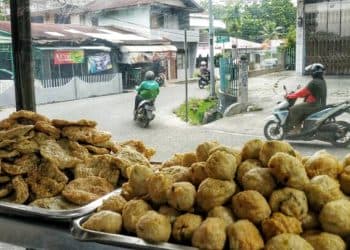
x,y
321,125
144,113
204,79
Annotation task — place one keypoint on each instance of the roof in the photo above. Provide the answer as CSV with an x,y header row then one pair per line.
x,y
201,21
98,5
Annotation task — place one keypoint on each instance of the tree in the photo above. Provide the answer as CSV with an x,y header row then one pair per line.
x,y
270,31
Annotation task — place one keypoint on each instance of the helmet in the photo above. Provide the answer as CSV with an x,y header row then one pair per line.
x,y
203,63
149,75
316,69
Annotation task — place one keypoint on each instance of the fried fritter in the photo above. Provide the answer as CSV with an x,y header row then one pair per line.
x,y
213,192
153,227
132,211
184,227
63,123
47,128
211,234
28,115
28,161
5,143
114,203
288,241
21,190
8,154
244,167
325,241
279,223
85,190
13,169
198,172
110,144
140,147
104,221
323,163
26,146
310,221
251,149
290,201
74,149
243,235
188,159
223,213
170,212
5,190
250,205
288,170
202,150
16,132
138,179
232,151
177,173
41,138
85,134
182,196
53,203
4,179
97,150
259,179
175,160
270,148
344,180
221,165
158,186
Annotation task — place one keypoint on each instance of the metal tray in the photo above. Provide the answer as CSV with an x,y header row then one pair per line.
x,y
120,240
63,215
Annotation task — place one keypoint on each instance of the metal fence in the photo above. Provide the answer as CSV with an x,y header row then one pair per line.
x,y
229,73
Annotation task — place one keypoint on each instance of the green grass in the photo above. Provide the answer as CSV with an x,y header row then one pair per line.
x,y
196,110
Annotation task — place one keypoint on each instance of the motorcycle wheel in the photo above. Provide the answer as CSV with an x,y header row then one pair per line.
x,y
145,123
343,141
273,131
201,86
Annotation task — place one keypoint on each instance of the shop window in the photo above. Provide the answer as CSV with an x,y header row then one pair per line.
x,y
157,21
62,19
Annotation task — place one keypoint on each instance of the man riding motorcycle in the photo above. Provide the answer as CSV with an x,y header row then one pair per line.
x,y
147,90
314,94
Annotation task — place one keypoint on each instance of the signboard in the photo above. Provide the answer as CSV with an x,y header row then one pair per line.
x,y
222,39
68,56
99,63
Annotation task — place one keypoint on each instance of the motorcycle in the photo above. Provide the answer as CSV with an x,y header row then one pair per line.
x,y
160,78
144,113
204,79
320,125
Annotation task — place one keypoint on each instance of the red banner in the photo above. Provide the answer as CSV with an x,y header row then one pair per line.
x,y
68,56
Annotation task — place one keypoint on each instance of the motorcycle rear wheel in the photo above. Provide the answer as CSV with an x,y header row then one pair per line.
x,y
273,131
201,86
345,140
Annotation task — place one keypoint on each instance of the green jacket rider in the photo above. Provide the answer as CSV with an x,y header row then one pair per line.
x,y
147,90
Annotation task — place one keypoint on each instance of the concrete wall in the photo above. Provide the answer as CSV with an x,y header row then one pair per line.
x,y
300,40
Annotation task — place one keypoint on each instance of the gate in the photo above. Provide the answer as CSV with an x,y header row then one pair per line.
x,y
289,58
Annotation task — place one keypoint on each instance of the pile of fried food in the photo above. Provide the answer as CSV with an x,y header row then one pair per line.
x,y
263,196
59,164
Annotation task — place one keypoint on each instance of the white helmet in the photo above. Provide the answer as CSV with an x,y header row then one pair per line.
x,y
203,63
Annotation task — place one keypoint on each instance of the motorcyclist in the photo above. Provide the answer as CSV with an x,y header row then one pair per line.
x,y
203,68
314,94
147,90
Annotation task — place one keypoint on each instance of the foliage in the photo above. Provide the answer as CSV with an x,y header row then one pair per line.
x,y
291,37
196,110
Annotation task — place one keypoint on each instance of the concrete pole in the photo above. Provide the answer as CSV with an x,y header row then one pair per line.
x,y
300,39
211,49
186,74
243,82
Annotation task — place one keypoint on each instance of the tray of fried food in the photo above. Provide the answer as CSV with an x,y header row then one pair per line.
x,y
60,169
262,196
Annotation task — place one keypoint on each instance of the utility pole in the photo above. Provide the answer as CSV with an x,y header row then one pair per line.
x,y
186,74
211,49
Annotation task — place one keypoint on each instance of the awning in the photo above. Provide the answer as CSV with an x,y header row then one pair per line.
x,y
151,48
102,48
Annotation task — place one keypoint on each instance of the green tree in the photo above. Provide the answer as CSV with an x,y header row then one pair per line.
x,y
270,31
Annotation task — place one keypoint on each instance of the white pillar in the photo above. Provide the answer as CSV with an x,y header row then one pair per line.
x,y
300,39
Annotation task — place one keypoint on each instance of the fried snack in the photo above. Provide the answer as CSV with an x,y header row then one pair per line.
x,y
279,223
82,191
244,167
177,173
104,221
63,123
47,128
250,205
243,235
202,150
4,179
346,160
153,227
288,171
85,134
127,192
288,241
184,227
6,190
290,201
53,203
188,159
251,149
132,211
211,234
175,160
335,217
23,115
344,180
97,150
223,213
310,221
221,165
140,147
138,179
104,166
41,138
110,144
7,123
321,190
170,212
182,196
158,186
6,143
28,161
26,146
8,154
259,179
198,172
21,190
270,148
323,163
325,241
74,149
232,151
213,192
13,169
46,180
16,132
114,203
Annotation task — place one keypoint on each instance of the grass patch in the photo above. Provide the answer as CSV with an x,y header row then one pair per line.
x,y
196,109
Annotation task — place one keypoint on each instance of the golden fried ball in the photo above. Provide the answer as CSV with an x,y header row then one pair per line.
x,y
290,201
288,241
213,192
114,203
104,221
184,227
244,167
243,235
344,180
250,205
153,227
346,160
270,148
251,149
259,179
279,223
288,170
310,221
158,186
127,192
335,217
170,212
321,190
138,179
188,159
325,241
198,172
202,150
175,160
323,163
211,234
177,173
221,165
182,196
224,213
132,212
233,151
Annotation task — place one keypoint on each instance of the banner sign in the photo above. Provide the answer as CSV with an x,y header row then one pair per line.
x,y
99,63
68,56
